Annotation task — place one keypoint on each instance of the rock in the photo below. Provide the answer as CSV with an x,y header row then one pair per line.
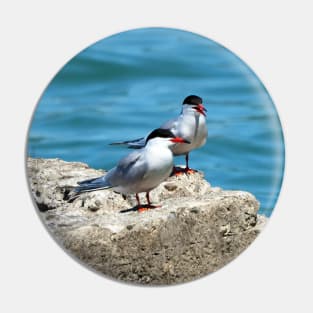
x,y
197,230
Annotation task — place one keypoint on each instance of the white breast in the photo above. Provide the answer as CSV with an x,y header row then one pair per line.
x,y
160,165
193,128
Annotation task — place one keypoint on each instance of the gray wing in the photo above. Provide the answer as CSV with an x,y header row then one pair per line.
x,y
171,124
129,169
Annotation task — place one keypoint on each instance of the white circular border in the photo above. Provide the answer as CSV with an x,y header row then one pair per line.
x,y
273,38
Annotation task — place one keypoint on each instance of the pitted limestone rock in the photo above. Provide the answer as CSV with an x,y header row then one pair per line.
x,y
197,230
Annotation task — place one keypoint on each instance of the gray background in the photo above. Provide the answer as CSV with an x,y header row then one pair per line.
x,y
274,39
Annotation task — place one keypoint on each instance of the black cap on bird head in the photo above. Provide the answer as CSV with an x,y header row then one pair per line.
x,y
160,132
192,100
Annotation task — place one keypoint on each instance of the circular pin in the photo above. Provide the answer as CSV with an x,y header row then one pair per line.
x,y
155,156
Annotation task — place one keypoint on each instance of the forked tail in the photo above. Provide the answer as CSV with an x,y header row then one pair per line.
x,y
131,144
93,184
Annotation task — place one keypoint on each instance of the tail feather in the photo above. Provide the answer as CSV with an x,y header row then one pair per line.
x,y
89,185
132,144
87,181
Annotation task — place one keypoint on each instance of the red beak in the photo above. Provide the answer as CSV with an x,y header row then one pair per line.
x,y
179,140
201,109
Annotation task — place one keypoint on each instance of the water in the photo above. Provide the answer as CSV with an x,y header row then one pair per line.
x,y
126,85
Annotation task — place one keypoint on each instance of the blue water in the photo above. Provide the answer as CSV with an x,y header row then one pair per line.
x,y
126,85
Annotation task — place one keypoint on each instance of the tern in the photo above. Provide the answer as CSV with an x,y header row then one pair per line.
x,y
190,125
140,171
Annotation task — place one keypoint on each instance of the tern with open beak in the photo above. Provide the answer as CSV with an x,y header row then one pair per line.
x,y
190,125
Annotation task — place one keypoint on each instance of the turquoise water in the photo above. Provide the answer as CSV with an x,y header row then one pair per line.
x,y
126,85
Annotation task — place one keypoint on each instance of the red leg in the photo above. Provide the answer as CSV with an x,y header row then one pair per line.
x,y
138,200
149,206
180,171
148,198
141,208
145,208
188,170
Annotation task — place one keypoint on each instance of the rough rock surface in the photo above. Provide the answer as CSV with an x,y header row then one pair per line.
x,y
197,230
